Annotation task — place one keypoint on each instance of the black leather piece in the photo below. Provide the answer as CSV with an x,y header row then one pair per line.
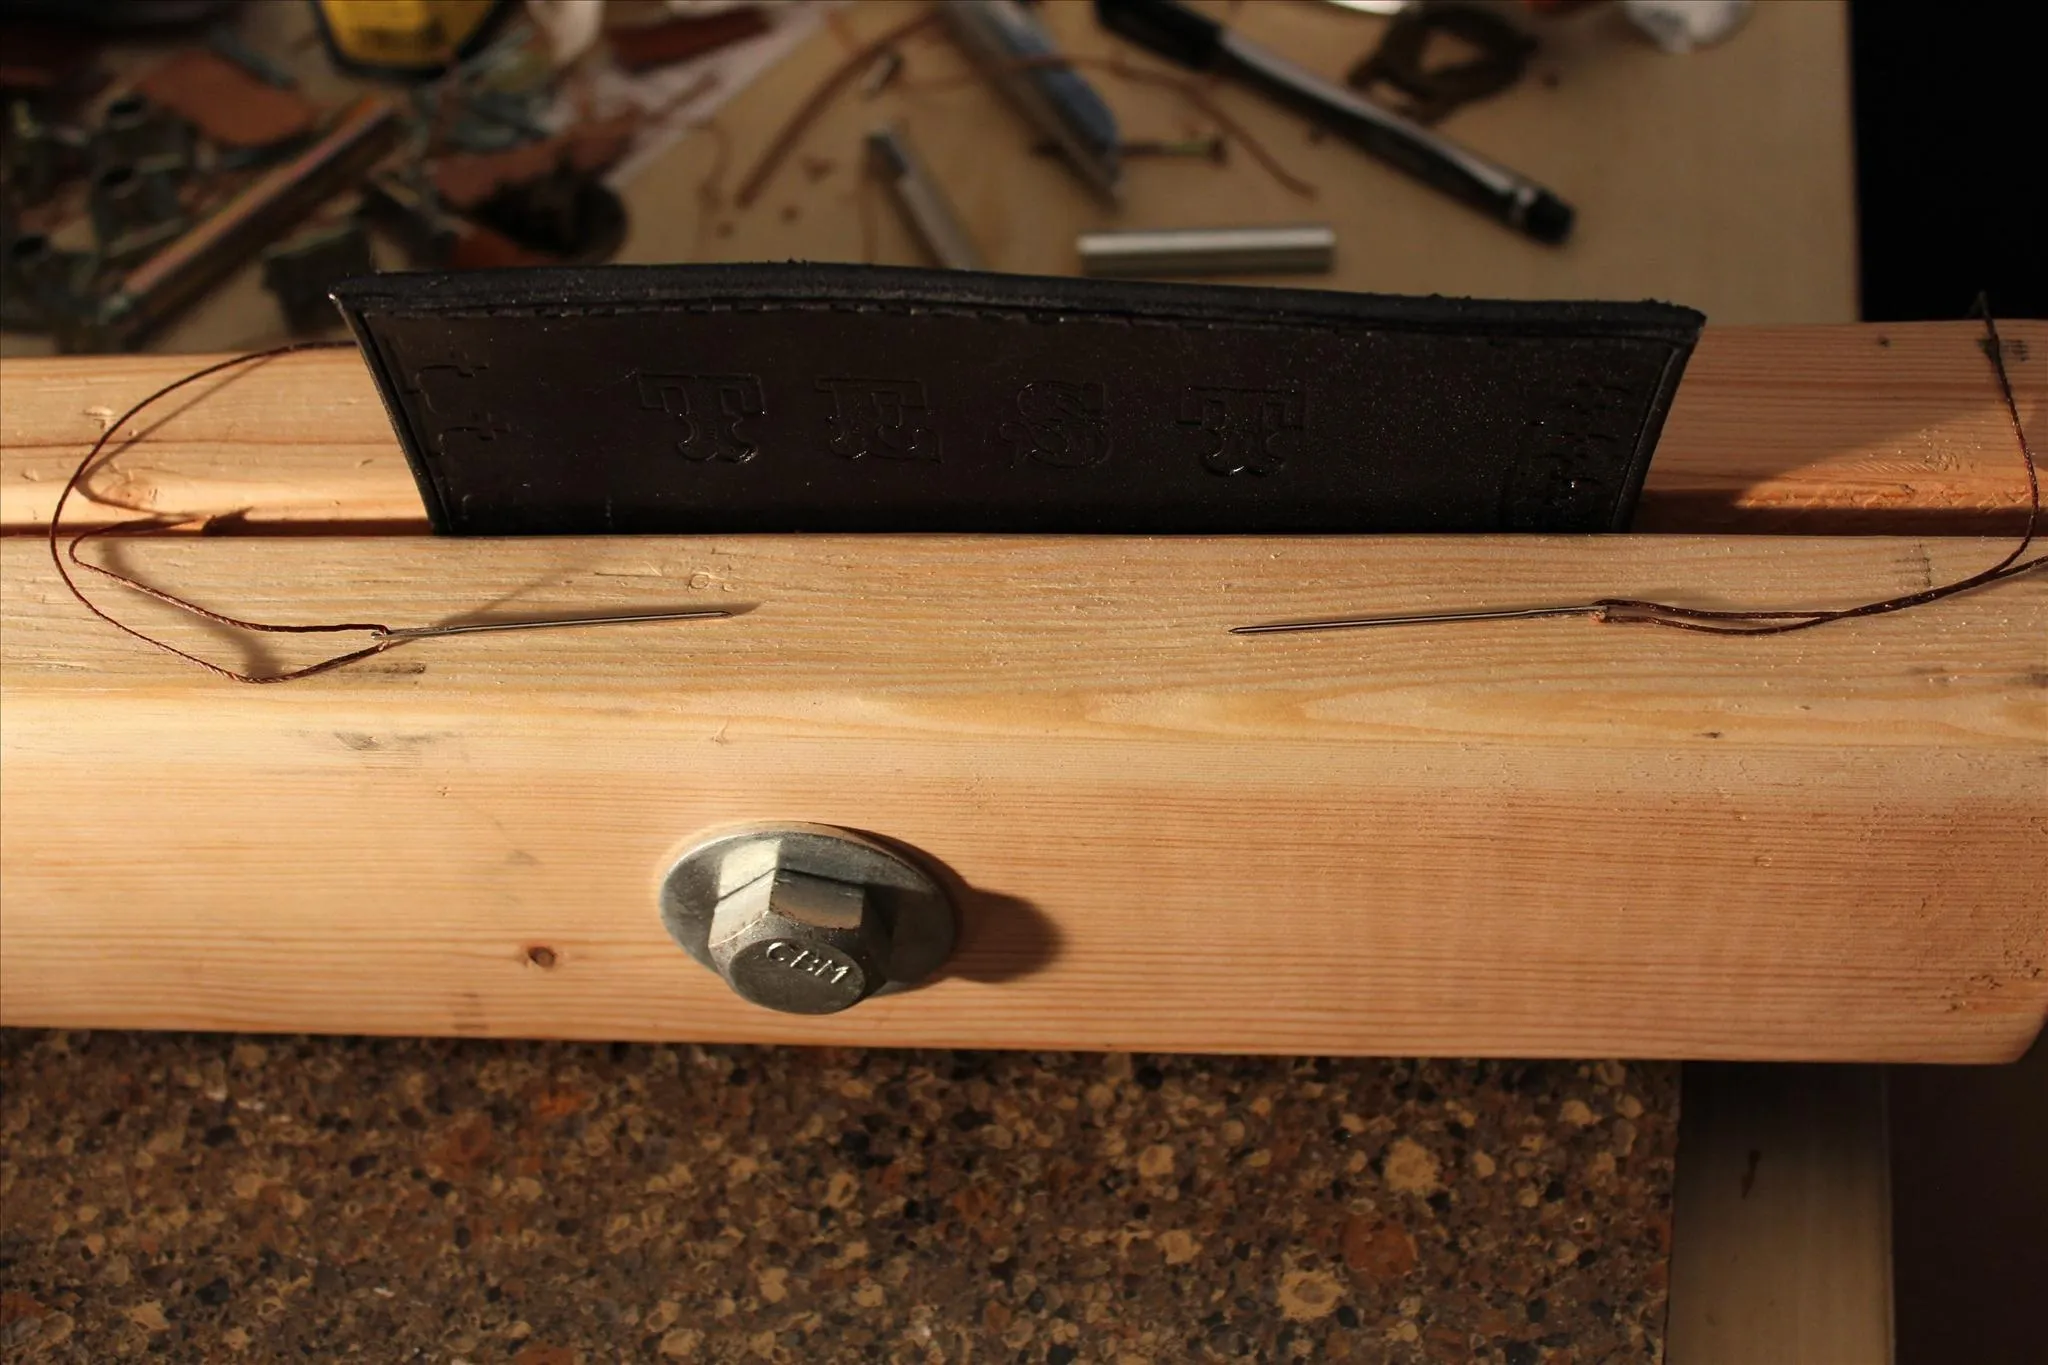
x,y
857,398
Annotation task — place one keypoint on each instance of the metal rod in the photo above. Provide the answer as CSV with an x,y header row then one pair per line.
x,y
1295,249
1012,47
924,205
185,268
478,628
1417,619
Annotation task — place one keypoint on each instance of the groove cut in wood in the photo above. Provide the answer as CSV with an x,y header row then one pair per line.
x,y
1891,429
1533,839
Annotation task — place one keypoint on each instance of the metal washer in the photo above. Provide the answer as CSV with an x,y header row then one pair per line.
x,y
923,923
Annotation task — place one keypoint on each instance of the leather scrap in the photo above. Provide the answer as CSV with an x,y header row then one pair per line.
x,y
810,397
225,102
466,179
648,46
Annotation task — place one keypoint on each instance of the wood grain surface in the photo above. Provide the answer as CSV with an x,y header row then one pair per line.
x,y
1889,429
1550,838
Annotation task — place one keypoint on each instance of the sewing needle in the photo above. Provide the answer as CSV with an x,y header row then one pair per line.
x,y
1417,619
475,628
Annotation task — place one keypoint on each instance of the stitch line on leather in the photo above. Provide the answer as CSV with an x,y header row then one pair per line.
x,y
1041,316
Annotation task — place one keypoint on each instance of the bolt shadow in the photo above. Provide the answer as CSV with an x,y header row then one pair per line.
x,y
1002,937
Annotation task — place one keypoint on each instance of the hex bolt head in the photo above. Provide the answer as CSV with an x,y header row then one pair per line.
x,y
800,944
807,919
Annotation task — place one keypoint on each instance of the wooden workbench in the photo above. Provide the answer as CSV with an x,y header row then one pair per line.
x,y
1792,430
1814,846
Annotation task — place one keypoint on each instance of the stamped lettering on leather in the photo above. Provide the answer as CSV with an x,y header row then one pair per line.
x,y
446,388
1059,423
455,396
576,402
1563,472
890,419
709,409
1245,431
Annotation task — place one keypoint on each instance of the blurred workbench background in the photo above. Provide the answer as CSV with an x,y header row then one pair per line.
x,y
1721,178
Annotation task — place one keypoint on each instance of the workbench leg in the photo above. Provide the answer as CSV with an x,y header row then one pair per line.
x,y
1781,1228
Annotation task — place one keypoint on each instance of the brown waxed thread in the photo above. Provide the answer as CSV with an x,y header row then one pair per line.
x,y
1630,611
70,551
385,636
1626,611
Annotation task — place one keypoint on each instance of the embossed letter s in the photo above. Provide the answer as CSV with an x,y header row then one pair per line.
x,y
1059,423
